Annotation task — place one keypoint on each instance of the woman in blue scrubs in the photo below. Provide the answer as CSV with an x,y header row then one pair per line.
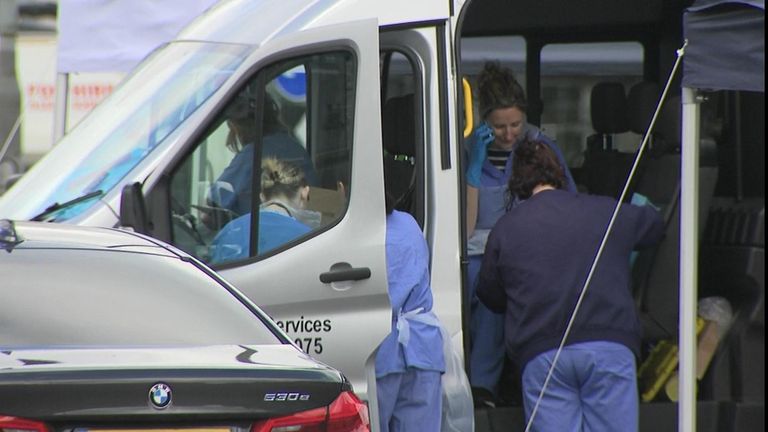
x,y
503,108
410,361
282,216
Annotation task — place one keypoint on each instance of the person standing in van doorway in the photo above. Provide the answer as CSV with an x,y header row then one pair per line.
x,y
503,107
410,360
536,262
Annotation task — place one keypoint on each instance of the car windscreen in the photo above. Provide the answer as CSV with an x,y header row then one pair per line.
x,y
81,297
92,158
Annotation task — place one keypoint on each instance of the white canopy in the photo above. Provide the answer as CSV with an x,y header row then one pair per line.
x,y
113,36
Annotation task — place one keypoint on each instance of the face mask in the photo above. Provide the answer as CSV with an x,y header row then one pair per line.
x,y
310,218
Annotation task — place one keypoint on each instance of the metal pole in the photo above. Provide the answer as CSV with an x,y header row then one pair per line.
x,y
10,144
608,229
689,253
60,106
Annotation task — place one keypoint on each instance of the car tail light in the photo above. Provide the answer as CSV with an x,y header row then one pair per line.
x,y
15,424
346,414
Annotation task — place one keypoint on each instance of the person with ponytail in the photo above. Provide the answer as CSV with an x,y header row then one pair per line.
x,y
282,214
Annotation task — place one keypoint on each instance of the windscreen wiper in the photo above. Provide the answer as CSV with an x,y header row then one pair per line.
x,y
56,206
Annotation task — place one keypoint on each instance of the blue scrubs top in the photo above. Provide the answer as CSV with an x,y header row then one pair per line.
x,y
410,295
234,240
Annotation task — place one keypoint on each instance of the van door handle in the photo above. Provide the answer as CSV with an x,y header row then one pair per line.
x,y
345,272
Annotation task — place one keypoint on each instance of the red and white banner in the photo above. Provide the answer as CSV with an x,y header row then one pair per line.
x,y
36,75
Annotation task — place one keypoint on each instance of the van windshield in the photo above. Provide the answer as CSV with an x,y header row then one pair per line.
x,y
121,131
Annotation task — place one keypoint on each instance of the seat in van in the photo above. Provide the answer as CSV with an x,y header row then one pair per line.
x,y
656,273
733,267
641,105
399,140
642,99
608,108
733,264
605,169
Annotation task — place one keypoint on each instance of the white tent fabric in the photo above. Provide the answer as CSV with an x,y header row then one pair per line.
x,y
114,35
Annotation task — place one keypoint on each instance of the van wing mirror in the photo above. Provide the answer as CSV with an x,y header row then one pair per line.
x,y
133,210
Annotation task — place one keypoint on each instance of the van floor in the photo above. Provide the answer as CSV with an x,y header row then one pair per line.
x,y
712,416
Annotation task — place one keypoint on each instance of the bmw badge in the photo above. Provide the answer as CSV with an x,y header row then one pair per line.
x,y
160,395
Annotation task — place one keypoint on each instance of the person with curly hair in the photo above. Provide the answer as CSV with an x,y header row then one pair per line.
x,y
537,262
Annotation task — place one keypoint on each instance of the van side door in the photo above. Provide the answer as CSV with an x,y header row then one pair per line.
x,y
283,193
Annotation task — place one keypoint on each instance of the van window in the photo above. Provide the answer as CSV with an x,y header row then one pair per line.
x,y
120,132
401,133
274,167
569,72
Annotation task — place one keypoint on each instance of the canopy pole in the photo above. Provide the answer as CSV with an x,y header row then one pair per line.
x,y
599,253
689,229
60,107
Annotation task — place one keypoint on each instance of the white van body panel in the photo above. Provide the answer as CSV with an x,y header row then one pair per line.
x,y
355,316
255,22
286,285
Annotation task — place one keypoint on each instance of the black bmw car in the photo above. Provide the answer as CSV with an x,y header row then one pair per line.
x,y
106,330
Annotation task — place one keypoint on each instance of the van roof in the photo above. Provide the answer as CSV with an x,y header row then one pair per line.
x,y
253,23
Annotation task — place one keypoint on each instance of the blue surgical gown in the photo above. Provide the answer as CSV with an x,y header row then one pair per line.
x,y
409,292
410,361
234,240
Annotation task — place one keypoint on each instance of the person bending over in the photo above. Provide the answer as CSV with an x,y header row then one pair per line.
x,y
537,259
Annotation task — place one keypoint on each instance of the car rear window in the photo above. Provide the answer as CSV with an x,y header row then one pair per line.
x,y
88,298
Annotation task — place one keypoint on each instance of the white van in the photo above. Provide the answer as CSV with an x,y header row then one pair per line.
x,y
371,95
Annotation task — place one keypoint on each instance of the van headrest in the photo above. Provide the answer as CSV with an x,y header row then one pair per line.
x,y
668,123
641,104
608,107
399,125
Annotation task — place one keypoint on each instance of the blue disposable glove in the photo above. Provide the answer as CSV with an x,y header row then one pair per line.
x,y
481,138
